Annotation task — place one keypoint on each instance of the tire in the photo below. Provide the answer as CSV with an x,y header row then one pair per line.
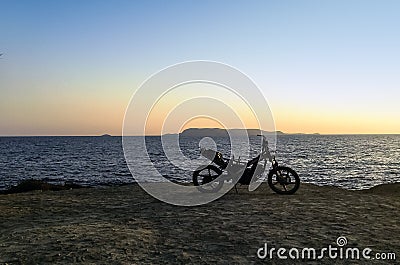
x,y
287,184
205,179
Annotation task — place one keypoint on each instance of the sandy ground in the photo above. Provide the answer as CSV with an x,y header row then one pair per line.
x,y
124,225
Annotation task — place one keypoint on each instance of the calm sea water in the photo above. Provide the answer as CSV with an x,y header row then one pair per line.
x,y
349,161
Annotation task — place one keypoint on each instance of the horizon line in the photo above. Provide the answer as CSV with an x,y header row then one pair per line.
x,y
278,132
154,135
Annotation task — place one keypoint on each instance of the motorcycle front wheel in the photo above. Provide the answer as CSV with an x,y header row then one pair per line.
x,y
205,178
283,180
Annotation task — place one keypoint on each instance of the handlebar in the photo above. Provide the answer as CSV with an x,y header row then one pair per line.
x,y
265,142
265,147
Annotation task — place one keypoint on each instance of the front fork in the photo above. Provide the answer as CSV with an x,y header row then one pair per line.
x,y
281,179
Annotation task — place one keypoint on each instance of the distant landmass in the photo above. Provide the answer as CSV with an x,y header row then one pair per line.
x,y
216,132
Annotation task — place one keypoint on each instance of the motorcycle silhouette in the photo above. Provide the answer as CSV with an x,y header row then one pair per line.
x,y
210,178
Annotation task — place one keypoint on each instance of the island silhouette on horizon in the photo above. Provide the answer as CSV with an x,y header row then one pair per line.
x,y
218,132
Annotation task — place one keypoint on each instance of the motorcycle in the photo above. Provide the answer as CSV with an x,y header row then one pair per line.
x,y
210,178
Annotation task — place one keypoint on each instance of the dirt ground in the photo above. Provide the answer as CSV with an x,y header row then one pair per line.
x,y
124,225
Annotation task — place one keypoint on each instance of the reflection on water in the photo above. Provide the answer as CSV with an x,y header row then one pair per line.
x,y
350,161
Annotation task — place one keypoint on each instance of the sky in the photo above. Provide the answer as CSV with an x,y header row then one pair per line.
x,y
71,67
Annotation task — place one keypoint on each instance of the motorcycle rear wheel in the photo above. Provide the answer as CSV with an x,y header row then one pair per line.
x,y
206,179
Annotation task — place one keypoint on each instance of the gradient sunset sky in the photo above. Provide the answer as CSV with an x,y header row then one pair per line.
x,y
71,67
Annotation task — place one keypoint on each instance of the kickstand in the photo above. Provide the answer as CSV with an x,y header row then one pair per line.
x,y
236,189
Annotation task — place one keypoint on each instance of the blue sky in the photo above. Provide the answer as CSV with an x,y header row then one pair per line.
x,y
70,67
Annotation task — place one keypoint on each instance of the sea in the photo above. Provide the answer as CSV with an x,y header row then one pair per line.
x,y
348,161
